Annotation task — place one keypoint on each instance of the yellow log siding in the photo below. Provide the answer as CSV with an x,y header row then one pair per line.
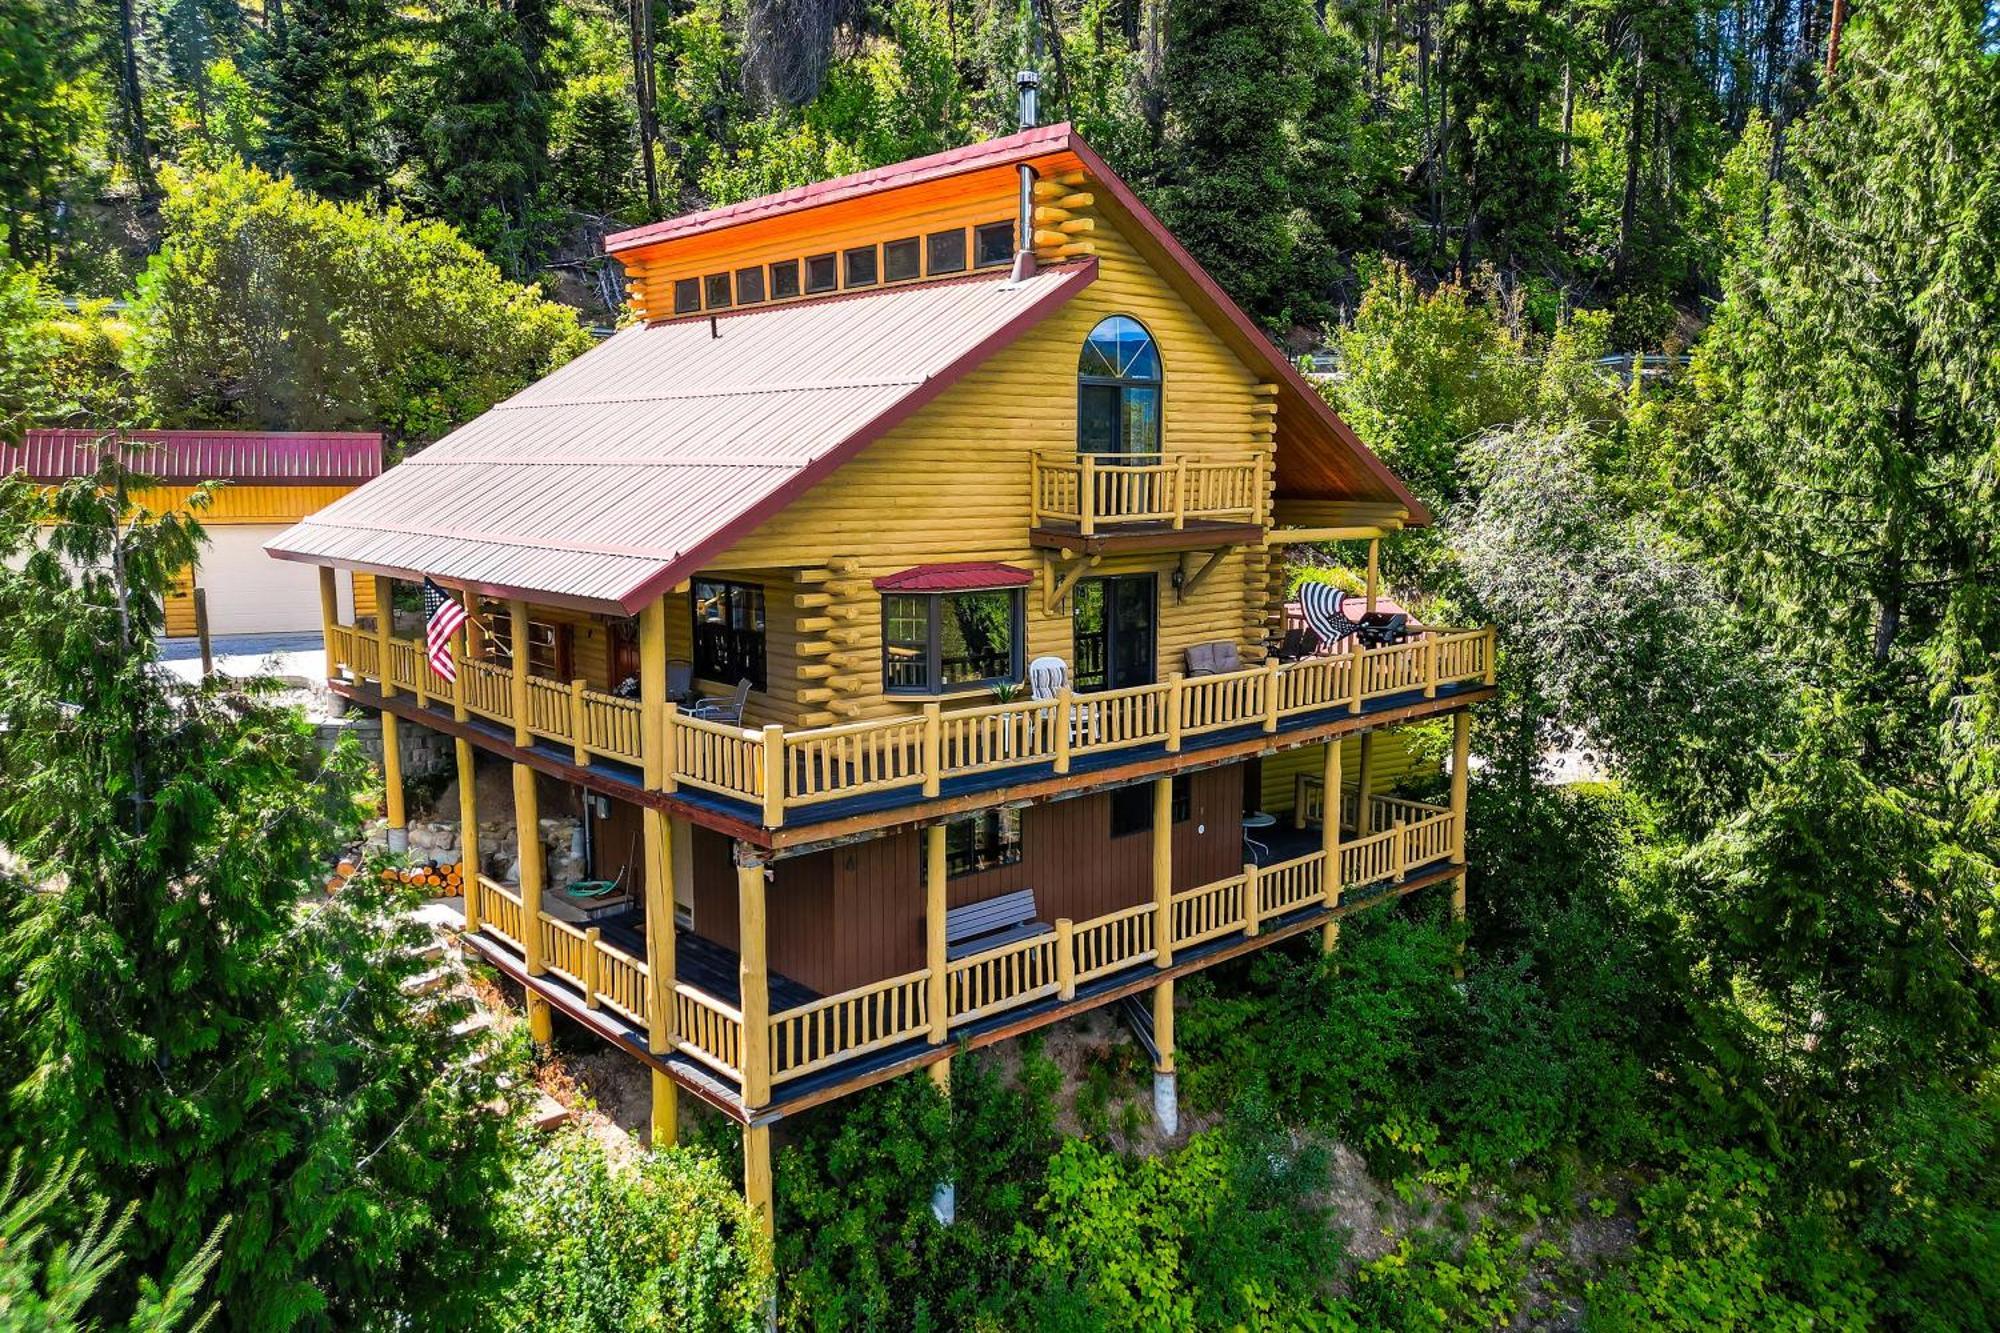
x,y
1396,759
951,484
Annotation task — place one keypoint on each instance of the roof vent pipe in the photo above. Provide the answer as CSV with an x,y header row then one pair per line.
x,y
1029,83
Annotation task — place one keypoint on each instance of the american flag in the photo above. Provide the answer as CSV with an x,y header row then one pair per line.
x,y
443,614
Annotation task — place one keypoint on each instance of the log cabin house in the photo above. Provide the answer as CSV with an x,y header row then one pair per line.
x,y
881,447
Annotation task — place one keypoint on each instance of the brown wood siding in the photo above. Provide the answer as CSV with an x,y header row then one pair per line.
x,y
855,914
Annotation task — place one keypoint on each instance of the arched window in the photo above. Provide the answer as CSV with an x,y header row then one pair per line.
x,y
1118,390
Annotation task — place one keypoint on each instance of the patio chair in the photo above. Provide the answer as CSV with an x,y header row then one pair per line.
x,y
1325,610
1213,659
1298,643
680,680
1046,677
723,708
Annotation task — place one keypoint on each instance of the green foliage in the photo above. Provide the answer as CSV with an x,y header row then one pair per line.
x,y
188,1009
382,322
667,1243
49,1280
1717,1252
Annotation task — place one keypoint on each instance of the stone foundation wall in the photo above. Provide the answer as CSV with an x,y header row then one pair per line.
x,y
426,753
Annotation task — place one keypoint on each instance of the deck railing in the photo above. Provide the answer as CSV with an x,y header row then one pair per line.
x,y
779,771
813,1036
1097,491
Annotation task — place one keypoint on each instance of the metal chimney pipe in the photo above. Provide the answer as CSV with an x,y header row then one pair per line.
x,y
1029,83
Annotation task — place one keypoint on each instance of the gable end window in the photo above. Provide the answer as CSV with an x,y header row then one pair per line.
x,y
784,279
861,266
946,251
933,642
822,273
749,286
687,296
902,260
717,285
994,244
729,631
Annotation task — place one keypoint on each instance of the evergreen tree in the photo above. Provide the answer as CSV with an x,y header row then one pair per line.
x,y
217,1037
327,78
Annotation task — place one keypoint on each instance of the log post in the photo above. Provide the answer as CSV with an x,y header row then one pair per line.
x,y
933,748
1461,760
1163,872
392,782
1430,665
468,831
385,623
1252,891
1176,703
1374,572
528,842
652,692
757,1173
656,832
1364,779
1271,693
517,618
1329,841
1086,495
754,983
774,774
461,652
593,967
329,617
1358,664
1492,654
580,752
1065,958
1166,1099
1065,727
936,998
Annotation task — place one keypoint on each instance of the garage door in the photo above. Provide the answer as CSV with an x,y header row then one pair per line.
x,y
248,591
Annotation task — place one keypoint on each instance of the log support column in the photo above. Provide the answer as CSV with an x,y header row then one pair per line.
x,y
1166,1098
754,980
528,835
517,620
1364,781
392,782
757,1173
936,998
385,624
1329,841
661,865
329,616
1163,873
468,831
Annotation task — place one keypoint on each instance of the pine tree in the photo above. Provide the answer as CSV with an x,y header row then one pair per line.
x,y
326,79
214,1034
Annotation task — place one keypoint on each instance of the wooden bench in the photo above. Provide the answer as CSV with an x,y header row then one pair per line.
x,y
980,926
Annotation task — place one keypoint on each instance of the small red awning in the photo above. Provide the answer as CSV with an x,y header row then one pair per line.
x,y
965,576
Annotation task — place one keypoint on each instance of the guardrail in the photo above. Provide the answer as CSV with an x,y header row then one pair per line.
x,y
1105,490
813,1036
780,771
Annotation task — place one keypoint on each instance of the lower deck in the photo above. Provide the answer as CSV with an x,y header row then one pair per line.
x,y
820,1044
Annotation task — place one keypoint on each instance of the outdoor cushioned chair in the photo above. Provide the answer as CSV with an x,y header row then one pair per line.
x,y
725,708
1213,659
680,680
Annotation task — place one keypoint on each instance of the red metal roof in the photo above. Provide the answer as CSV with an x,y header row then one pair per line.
x,y
269,458
961,577
1041,141
622,473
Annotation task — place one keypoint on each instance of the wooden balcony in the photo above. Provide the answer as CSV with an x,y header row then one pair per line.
x,y
1147,501
813,1045
771,775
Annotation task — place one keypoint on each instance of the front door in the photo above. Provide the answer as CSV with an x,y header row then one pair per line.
x,y
1115,622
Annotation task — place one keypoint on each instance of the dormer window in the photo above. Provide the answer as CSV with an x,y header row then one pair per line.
x,y
1118,390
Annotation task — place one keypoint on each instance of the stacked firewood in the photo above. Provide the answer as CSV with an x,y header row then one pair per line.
x,y
445,879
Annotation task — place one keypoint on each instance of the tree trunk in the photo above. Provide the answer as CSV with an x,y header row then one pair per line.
x,y
138,142
1628,208
641,15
